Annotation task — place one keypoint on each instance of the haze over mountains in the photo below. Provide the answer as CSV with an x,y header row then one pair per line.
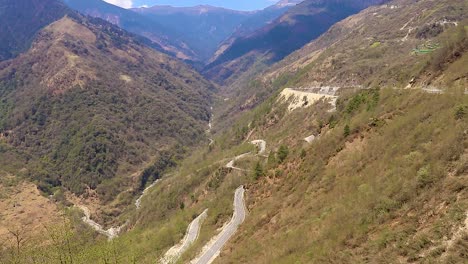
x,y
298,26
190,33
88,103
17,34
331,131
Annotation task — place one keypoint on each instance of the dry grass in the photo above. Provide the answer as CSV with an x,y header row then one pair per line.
x,y
22,206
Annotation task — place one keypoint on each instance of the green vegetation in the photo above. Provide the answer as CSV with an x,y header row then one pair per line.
x,y
258,170
112,108
461,112
384,180
345,196
346,131
375,44
426,48
454,44
283,153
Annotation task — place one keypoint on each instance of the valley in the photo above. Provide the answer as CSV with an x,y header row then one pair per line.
x,y
307,132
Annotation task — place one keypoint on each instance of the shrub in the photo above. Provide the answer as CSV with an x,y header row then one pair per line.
x,y
282,153
347,131
460,112
424,176
258,170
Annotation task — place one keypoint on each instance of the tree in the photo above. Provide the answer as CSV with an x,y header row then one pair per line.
x,y
460,112
283,152
258,170
347,131
18,235
303,153
271,162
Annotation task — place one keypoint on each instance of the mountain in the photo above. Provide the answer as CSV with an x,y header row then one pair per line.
x,y
90,107
190,33
135,23
260,19
228,4
296,27
202,28
382,46
351,149
17,33
285,3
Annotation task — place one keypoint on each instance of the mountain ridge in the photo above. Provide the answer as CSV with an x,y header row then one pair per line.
x,y
88,104
17,37
278,39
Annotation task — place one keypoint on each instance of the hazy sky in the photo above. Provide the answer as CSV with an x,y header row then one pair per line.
x,y
232,4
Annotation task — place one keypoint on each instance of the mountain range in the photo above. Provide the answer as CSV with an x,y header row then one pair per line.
x,y
292,30
17,33
192,33
89,104
326,131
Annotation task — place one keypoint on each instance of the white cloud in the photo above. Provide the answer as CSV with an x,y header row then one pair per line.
x,y
121,3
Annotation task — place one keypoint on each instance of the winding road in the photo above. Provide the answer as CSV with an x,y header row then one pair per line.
x,y
111,233
138,201
261,144
262,148
173,254
230,164
309,139
213,248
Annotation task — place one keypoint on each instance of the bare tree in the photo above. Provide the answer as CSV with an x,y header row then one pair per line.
x,y
19,238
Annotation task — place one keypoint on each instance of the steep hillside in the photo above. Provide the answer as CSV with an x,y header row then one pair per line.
x,y
17,34
383,180
298,26
90,108
386,46
136,23
202,28
367,167
190,33
260,19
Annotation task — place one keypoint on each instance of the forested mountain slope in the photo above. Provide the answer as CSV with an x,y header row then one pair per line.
x,y
367,162
189,33
135,23
202,28
21,20
90,108
298,26
399,44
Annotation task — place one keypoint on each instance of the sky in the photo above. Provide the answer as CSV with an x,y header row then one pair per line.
x,y
231,4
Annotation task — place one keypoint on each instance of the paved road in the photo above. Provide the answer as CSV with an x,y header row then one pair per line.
x,y
138,201
191,235
261,144
212,250
230,164
309,139
111,233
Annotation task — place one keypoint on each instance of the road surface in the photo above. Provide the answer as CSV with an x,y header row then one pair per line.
x,y
261,144
309,139
230,164
304,97
191,235
213,248
138,201
110,233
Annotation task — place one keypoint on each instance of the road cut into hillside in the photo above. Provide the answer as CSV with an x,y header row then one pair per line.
x,y
211,251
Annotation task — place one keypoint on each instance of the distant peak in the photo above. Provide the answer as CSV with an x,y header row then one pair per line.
x,y
285,3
